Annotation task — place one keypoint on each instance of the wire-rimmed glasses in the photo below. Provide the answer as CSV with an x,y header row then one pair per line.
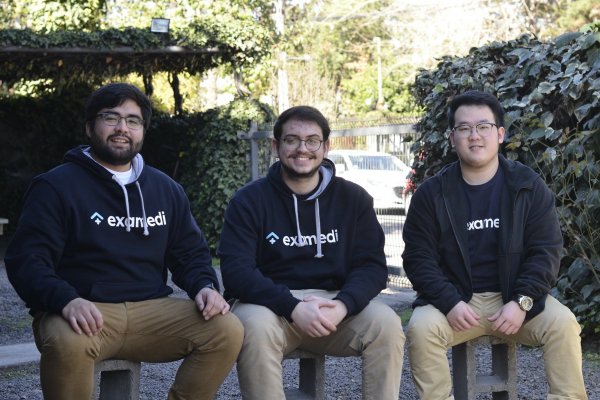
x,y
482,128
293,142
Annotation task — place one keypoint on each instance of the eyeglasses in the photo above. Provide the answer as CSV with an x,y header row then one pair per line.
x,y
112,119
482,128
292,142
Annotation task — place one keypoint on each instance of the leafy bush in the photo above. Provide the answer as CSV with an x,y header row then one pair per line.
x,y
551,93
35,133
209,161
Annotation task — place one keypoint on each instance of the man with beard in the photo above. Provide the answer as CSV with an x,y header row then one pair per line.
x,y
302,259
91,255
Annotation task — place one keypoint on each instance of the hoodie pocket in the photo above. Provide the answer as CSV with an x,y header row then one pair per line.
x,y
112,292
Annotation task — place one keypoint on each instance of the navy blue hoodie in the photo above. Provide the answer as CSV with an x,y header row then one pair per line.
x,y
269,243
83,234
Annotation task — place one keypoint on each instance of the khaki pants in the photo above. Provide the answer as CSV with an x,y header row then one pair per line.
x,y
375,334
160,330
555,329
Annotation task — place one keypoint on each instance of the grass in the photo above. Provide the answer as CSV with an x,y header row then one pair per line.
x,y
14,373
405,316
592,357
16,323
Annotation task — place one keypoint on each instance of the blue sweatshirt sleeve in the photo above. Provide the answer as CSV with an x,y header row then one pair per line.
x,y
36,249
242,278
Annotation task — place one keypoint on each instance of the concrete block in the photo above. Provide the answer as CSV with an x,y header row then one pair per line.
x,y
502,382
312,376
118,380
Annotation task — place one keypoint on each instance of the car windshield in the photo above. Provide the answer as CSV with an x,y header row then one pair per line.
x,y
375,163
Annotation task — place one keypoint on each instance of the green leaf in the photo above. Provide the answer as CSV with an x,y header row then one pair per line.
x,y
582,112
566,38
540,133
593,198
578,270
546,87
547,118
550,154
590,40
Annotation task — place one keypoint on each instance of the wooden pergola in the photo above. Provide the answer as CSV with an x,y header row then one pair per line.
x,y
74,64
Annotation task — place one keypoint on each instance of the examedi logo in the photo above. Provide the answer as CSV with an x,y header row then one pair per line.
x,y
488,223
135,222
291,241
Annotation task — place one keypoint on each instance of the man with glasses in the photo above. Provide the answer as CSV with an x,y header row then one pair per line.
x,y
302,259
482,250
90,257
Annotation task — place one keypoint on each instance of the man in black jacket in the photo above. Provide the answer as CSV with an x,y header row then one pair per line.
x,y
482,250
302,252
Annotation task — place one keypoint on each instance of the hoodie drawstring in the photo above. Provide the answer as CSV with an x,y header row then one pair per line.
x,y
301,241
318,223
128,221
146,232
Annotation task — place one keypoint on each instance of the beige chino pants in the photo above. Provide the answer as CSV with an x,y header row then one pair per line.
x,y
160,330
375,334
555,329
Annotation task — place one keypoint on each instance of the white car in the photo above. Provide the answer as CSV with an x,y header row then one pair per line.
x,y
382,175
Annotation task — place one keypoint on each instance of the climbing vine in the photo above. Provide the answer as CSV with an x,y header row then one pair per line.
x,y
70,56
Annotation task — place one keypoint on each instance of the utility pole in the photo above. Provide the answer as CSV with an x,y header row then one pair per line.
x,y
380,100
282,77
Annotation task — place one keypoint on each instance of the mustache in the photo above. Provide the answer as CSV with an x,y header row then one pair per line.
x,y
310,154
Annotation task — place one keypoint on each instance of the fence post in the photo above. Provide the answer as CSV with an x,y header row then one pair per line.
x,y
253,148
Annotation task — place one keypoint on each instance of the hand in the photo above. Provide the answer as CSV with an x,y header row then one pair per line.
x,y
462,317
334,314
211,303
83,316
508,319
309,317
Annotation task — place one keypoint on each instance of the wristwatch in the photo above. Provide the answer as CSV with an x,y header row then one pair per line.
x,y
525,302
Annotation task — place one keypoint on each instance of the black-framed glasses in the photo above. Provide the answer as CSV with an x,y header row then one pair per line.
x,y
482,128
293,142
113,119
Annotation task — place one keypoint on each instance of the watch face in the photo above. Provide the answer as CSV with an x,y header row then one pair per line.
x,y
525,302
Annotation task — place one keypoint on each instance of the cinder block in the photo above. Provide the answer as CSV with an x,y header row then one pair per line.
x,y
312,376
502,381
119,380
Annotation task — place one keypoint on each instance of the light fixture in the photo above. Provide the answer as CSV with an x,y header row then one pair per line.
x,y
160,25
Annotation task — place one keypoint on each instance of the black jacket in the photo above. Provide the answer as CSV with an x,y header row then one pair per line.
x,y
436,255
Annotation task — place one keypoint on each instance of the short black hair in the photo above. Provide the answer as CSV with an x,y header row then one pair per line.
x,y
113,95
476,97
301,113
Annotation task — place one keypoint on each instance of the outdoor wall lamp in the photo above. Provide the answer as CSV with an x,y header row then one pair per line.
x,y
160,25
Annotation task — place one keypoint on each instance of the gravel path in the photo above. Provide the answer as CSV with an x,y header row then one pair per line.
x,y
343,375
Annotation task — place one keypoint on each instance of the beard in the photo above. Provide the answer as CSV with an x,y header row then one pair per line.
x,y
102,150
294,175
